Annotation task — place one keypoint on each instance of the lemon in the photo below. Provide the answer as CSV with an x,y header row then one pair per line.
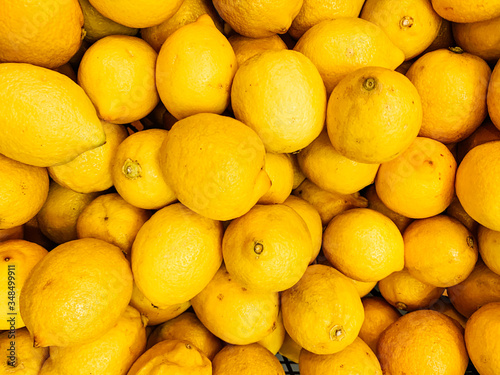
x,y
188,12
110,218
136,171
76,293
137,14
45,33
323,312
19,257
91,171
420,182
274,341
171,269
245,47
493,96
298,175
246,359
58,112
479,38
467,11
258,19
279,168
188,84
411,24
23,191
22,357
342,45
373,115
118,74
290,349
488,242
198,174
97,26
111,354
187,327
57,219
364,244
220,305
172,357
332,171
315,11
267,249
291,122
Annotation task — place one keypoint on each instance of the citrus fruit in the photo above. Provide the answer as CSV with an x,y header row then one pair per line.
x,y
450,114
220,305
202,81
173,268
59,309
342,45
279,168
467,11
267,249
58,112
274,341
198,174
444,306
373,115
420,182
489,247
486,132
24,356
245,47
493,96
296,119
323,312
364,244
290,349
479,38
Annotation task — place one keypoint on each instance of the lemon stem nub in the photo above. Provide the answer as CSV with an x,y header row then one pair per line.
x,y
470,242
401,306
369,84
406,22
336,333
131,169
456,50
258,248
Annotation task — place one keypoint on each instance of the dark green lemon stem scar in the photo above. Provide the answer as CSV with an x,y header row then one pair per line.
x,y
369,84
131,169
258,248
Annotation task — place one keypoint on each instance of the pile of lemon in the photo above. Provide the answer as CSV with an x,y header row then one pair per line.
x,y
192,186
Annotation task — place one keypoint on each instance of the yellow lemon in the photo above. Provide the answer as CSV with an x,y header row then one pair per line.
x,y
476,185
245,47
323,312
195,68
136,170
173,268
76,293
110,218
118,74
45,33
467,11
373,115
443,305
328,204
279,168
267,249
493,96
489,247
412,25
188,12
258,19
199,175
233,313
274,341
315,11
172,357
19,257
187,327
23,191
486,132
439,251
340,46
420,182
332,171
479,38
290,349
22,357
246,359
355,358
312,219
58,112
298,175
456,211
112,353
364,244
423,342
137,14
91,171
408,293
452,86
97,26
154,314
296,119
59,214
